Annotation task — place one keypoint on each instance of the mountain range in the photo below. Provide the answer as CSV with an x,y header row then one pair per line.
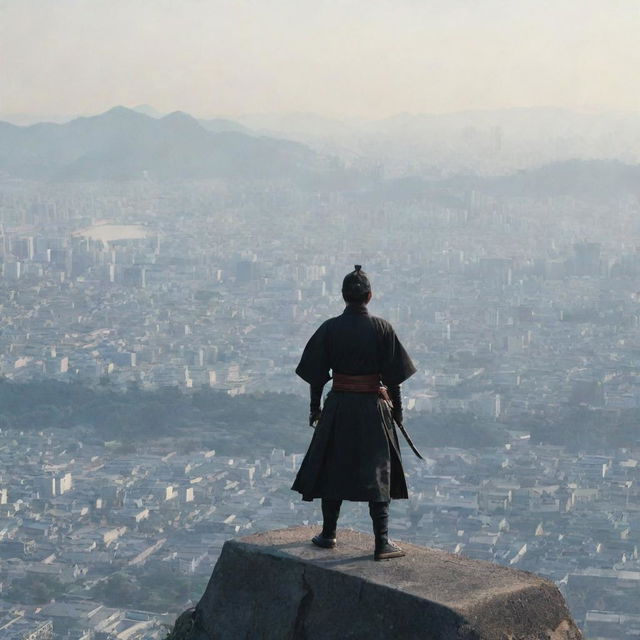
x,y
487,142
123,144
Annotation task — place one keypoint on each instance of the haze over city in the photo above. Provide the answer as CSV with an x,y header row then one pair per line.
x,y
183,187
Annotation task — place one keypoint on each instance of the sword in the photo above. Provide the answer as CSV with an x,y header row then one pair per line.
x,y
385,396
407,437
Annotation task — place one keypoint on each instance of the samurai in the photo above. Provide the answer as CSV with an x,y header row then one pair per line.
x,y
354,453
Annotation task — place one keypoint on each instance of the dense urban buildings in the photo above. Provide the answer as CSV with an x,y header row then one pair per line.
x,y
521,313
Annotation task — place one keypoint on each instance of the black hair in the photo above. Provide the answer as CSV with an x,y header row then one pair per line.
x,y
356,286
355,298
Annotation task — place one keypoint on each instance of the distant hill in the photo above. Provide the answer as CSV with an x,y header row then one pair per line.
x,y
215,125
218,125
589,179
123,144
148,110
486,142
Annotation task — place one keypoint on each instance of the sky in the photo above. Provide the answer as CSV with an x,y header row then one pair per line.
x,y
355,58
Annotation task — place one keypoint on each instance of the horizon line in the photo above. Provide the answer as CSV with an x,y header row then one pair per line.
x,y
29,118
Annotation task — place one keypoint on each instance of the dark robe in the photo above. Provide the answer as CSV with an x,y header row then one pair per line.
x,y
354,453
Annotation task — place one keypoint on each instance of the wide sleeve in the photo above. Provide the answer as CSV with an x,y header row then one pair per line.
x,y
396,365
314,364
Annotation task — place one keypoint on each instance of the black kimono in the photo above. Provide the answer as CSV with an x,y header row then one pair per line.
x,y
354,453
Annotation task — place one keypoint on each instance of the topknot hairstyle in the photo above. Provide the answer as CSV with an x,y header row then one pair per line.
x,y
356,286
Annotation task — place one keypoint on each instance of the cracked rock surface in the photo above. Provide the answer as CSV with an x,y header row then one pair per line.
x,y
277,585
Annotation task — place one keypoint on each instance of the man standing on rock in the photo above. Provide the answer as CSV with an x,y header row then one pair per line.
x,y
354,454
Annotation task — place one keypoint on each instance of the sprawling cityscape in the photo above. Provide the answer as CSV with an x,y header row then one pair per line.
x,y
521,314
183,188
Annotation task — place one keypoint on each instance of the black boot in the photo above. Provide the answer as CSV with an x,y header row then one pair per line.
x,y
330,513
379,512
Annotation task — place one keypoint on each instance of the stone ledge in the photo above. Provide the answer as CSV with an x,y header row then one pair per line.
x,y
277,585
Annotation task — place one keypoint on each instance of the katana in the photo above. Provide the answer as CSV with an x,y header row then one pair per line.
x,y
384,394
407,437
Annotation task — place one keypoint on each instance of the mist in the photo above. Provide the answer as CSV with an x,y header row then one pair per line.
x,y
183,188
353,58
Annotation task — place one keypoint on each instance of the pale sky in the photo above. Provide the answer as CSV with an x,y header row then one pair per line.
x,y
369,58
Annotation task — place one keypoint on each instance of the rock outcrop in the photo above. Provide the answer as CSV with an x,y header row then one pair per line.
x,y
276,585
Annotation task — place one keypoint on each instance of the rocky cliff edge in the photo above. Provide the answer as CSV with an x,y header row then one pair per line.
x,y
278,586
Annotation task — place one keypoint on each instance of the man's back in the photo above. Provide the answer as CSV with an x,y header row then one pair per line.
x,y
354,453
355,343
352,343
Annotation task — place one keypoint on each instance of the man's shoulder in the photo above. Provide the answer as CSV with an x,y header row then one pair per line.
x,y
327,324
381,322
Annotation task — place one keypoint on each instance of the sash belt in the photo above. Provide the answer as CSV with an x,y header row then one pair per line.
x,y
369,383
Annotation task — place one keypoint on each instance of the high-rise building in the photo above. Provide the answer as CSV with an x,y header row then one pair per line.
x,y
12,270
23,248
586,259
247,271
